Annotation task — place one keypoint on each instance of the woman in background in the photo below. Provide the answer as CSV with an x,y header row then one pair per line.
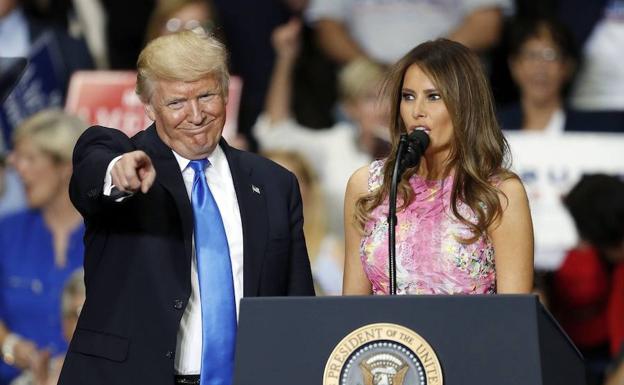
x,y
334,152
41,246
542,60
171,16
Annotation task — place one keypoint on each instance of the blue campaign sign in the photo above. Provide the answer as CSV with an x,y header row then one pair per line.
x,y
39,88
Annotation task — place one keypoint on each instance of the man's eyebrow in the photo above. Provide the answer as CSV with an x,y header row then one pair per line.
x,y
174,99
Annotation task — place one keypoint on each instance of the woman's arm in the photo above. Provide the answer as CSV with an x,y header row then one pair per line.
x,y
336,42
481,29
276,129
285,40
512,236
355,281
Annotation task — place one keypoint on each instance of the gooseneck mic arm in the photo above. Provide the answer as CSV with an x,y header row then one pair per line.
x,y
410,149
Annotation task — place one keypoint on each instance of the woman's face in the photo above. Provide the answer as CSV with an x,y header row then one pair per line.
x,y
44,178
540,70
422,108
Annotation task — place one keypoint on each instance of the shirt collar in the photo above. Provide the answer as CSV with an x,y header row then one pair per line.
x,y
214,158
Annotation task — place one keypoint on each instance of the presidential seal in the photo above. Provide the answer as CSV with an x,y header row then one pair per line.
x,y
383,354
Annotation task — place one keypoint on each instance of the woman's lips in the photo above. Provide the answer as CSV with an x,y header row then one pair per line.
x,y
422,128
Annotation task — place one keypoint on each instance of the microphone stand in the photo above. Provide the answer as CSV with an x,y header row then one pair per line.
x,y
410,149
392,218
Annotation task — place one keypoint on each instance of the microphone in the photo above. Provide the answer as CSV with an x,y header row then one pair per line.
x,y
417,143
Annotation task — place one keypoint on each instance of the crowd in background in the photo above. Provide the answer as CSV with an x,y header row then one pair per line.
x,y
312,72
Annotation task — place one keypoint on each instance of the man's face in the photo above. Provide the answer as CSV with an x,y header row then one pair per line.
x,y
189,116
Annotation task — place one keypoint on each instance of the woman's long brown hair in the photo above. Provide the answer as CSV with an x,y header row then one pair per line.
x,y
479,153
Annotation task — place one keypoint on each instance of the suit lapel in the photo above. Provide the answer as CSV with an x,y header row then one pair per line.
x,y
248,189
253,213
169,176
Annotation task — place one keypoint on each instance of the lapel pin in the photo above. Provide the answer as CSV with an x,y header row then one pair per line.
x,y
255,189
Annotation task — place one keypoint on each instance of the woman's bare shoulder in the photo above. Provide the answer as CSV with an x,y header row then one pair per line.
x,y
358,182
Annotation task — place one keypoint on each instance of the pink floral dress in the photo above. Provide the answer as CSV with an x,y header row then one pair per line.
x,y
430,258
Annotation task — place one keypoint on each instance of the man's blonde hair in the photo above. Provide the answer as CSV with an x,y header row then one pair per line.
x,y
185,56
53,131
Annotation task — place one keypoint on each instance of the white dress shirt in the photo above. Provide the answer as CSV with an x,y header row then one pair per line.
x,y
219,178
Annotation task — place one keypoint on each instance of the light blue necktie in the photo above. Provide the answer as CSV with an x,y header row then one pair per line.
x,y
215,283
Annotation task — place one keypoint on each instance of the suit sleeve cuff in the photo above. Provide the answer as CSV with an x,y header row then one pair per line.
x,y
109,189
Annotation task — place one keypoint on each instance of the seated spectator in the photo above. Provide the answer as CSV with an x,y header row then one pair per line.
x,y
588,288
384,30
542,61
600,82
48,369
335,152
41,246
326,251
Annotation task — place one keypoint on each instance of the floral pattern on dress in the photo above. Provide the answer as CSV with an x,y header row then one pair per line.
x,y
430,257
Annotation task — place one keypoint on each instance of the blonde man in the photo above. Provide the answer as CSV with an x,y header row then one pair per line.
x,y
166,211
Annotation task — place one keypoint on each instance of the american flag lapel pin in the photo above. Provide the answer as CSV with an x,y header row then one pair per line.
x,y
255,189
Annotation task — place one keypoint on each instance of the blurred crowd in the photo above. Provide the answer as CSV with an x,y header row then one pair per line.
x,y
312,74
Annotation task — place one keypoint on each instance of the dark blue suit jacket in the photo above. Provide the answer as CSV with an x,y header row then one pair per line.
x,y
138,256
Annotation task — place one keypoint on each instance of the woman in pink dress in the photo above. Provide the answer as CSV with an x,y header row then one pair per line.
x,y
464,225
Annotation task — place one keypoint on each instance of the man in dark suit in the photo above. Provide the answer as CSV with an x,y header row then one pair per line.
x,y
147,313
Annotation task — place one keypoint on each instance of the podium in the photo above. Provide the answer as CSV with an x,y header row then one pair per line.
x,y
478,339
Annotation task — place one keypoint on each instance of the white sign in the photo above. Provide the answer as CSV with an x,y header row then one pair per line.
x,y
549,166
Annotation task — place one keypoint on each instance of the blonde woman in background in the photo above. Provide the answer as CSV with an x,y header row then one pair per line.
x,y
41,246
326,252
334,152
